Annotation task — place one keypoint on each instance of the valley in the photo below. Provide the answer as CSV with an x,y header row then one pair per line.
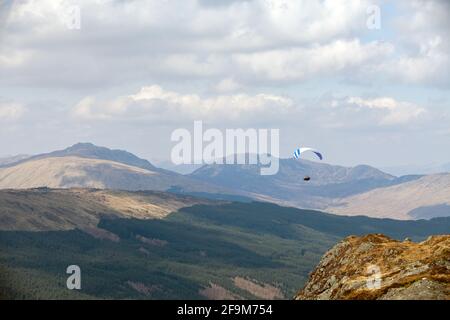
x,y
183,247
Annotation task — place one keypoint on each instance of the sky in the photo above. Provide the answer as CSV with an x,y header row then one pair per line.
x,y
327,74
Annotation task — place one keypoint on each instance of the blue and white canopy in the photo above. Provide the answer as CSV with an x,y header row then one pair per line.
x,y
299,151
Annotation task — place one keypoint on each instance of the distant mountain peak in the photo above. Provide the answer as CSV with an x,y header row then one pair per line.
x,y
86,165
87,146
82,145
86,149
90,150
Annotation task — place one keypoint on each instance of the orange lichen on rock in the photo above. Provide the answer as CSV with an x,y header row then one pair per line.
x,y
377,267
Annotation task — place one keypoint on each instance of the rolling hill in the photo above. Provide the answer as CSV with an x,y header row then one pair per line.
x,y
426,197
91,151
87,166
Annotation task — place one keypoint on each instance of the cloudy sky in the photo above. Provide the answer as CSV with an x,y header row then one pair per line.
x,y
324,72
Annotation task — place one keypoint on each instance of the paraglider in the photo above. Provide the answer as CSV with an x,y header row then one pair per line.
x,y
299,151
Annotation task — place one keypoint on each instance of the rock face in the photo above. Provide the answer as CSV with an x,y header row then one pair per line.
x,y
377,267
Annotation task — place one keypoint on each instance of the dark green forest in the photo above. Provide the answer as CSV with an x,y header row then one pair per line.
x,y
177,257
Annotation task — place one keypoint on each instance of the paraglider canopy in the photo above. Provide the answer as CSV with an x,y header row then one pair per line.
x,y
299,151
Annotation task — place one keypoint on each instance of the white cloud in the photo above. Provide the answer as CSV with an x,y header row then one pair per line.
x,y
156,104
248,41
394,112
422,44
301,63
360,118
430,64
10,111
83,110
227,85
13,59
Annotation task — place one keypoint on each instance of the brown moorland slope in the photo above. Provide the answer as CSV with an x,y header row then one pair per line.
x,y
43,209
80,172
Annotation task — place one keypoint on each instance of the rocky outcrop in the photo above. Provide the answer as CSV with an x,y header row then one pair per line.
x,y
377,267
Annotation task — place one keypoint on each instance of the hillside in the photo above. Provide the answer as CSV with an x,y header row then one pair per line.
x,y
377,267
71,171
44,209
426,197
157,245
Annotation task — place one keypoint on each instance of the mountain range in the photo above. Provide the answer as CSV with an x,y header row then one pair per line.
x,y
359,190
288,186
